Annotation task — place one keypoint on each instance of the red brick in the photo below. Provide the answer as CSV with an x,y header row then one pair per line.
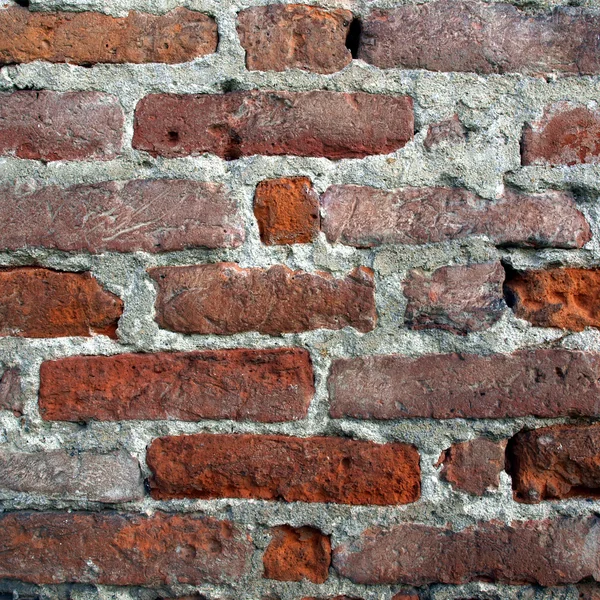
x,y
11,397
287,211
332,598
451,131
473,466
85,38
223,299
295,36
406,596
36,302
459,299
547,553
297,553
567,134
448,35
52,126
260,385
275,467
119,549
319,123
544,383
566,298
113,477
553,463
365,217
588,591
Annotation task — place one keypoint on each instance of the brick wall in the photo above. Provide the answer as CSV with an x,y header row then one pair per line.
x,y
299,301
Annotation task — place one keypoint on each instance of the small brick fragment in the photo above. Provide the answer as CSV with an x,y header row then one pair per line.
x,y
86,38
567,298
275,467
287,211
473,466
223,299
107,548
11,397
114,477
557,462
548,553
37,302
450,131
459,299
406,596
589,591
259,385
52,126
295,36
297,553
272,123
364,217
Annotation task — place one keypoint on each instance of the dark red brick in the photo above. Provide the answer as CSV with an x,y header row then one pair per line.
x,y
11,397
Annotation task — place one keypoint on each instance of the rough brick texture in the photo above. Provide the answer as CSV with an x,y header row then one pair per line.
x,y
115,549
114,477
459,299
543,383
550,552
149,215
90,37
297,553
11,397
566,298
271,467
481,37
319,123
450,131
363,217
287,211
224,299
259,385
555,462
53,126
40,303
280,37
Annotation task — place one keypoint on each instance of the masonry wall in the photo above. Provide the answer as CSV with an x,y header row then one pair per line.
x,y
299,301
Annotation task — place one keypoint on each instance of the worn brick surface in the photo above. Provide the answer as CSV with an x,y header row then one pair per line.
x,y
36,302
274,467
319,123
149,215
91,37
459,299
113,477
223,298
260,385
121,549
484,38
11,397
450,131
297,553
543,382
52,126
364,216
279,37
548,553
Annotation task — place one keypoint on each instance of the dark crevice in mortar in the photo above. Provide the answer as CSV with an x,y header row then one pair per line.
x,y
24,3
353,37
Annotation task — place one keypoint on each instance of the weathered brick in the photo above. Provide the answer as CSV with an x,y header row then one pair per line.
x,y
149,215
297,553
116,549
332,598
279,37
37,302
548,553
275,467
589,591
223,299
406,596
567,298
114,477
554,463
319,123
53,126
261,385
459,299
287,211
544,383
365,216
445,35
85,38
567,134
473,466
11,397
451,131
